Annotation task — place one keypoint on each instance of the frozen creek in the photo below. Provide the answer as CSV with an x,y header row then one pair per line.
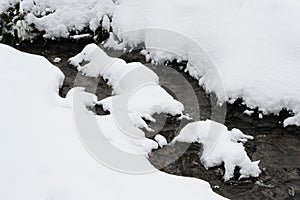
x,y
278,148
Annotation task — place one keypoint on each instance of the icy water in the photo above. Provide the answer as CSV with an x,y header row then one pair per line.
x,y
278,148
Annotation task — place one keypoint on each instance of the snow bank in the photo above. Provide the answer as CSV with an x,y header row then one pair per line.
x,y
41,154
133,83
145,97
220,146
248,112
64,17
255,45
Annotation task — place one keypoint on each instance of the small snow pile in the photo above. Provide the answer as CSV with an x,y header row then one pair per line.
x,y
85,100
40,133
248,112
133,83
220,146
57,60
161,140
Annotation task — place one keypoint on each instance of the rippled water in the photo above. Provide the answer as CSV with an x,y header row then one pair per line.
x,y
278,148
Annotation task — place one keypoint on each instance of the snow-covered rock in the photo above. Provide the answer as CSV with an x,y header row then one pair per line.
x,y
56,60
248,112
220,146
295,120
133,83
42,156
161,140
61,18
253,57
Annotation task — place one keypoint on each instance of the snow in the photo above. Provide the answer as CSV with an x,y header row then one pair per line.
x,y
220,146
161,140
57,60
237,49
254,45
77,37
42,156
248,112
60,18
133,83
5,4
292,120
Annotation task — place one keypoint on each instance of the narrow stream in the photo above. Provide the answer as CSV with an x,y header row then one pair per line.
x,y
278,148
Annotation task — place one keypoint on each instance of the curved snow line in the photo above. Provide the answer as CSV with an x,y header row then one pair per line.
x,y
137,88
256,57
41,155
220,145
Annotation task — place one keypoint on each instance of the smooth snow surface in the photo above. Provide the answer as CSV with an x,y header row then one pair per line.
x,y
220,146
41,154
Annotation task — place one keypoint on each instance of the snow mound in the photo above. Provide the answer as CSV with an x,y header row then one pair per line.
x,y
133,83
39,131
220,146
61,18
161,140
295,120
254,58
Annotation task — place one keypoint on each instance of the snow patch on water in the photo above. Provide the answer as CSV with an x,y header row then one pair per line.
x,y
133,83
220,146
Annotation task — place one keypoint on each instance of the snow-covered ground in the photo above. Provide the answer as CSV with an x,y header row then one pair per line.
x,y
41,154
254,45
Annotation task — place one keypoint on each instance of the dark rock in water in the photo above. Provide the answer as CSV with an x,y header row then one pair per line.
x,y
278,148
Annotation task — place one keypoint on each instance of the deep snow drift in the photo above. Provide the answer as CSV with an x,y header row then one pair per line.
x,y
220,146
41,154
253,45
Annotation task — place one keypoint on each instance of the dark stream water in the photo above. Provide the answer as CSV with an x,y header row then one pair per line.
x,y
278,148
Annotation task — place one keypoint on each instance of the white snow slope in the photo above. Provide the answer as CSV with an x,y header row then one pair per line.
x,y
41,154
254,44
